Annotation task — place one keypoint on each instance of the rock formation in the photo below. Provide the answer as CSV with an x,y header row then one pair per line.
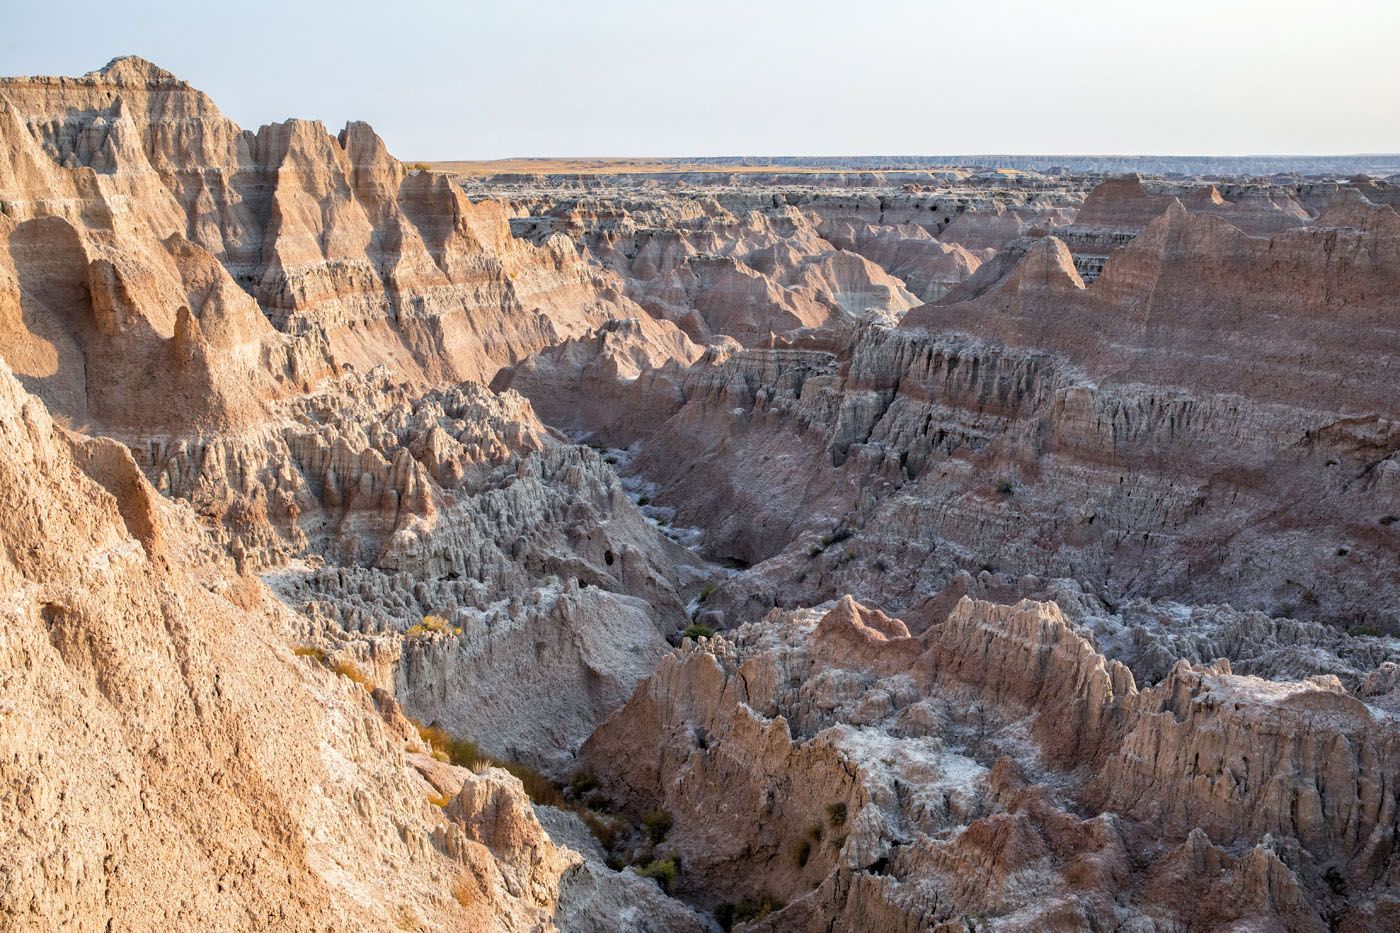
x,y
388,548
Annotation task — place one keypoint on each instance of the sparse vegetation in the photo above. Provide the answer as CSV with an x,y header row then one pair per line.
x,y
836,814
310,651
698,631
666,871
540,789
446,747
644,500
432,624
351,670
439,800
746,911
1005,486
707,591
605,829
1388,520
802,853
582,782
837,842
658,823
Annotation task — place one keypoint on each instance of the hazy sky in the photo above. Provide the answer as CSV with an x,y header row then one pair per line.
x,y
796,77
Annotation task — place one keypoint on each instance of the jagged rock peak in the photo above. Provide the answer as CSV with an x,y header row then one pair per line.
x,y
133,70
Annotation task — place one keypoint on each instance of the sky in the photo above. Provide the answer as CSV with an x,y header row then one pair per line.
x,y
483,80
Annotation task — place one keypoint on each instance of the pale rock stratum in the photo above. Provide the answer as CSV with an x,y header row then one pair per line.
x,y
897,546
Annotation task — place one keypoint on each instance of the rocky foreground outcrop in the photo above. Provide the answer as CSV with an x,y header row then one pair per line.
x,y
168,762
997,771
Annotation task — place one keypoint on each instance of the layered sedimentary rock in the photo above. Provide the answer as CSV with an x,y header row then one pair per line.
x,y
169,763
125,182
905,781
1047,426
1133,521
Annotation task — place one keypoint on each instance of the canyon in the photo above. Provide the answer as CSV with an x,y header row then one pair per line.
x,y
866,544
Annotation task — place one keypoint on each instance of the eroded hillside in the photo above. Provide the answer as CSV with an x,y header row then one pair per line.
x,y
840,550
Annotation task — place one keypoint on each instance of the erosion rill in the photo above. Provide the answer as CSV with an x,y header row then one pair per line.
x,y
834,549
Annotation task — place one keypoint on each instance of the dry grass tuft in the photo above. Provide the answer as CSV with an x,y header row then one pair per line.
x,y
431,625
352,670
310,651
439,800
447,747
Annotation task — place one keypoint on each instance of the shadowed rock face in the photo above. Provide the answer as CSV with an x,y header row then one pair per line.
x,y
1050,427
1088,479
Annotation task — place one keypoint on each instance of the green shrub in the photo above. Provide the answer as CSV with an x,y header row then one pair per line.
x,y
746,911
666,871
658,823
698,631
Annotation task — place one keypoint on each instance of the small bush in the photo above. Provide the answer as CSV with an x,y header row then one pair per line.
x,y
746,911
666,871
310,651
836,814
698,631
658,823
802,854
431,625
815,833
604,828
1343,551
447,747
439,800
707,592
582,782
837,842
1388,520
1005,486
644,500
539,788
352,670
